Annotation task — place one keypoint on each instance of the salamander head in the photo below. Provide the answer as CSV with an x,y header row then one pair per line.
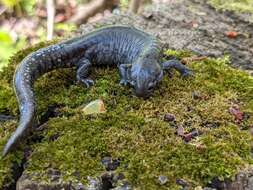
x,y
145,76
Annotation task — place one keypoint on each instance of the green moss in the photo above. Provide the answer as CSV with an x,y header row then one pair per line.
x,y
133,129
245,6
178,54
13,161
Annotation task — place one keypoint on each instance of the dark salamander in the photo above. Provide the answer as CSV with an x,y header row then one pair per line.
x,y
136,54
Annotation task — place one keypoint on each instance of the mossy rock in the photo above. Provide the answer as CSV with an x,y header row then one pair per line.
x,y
133,130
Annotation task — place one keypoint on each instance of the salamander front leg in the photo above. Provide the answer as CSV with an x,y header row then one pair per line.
x,y
83,72
175,64
124,74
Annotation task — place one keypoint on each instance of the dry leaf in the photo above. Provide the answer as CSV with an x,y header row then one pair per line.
x,y
237,113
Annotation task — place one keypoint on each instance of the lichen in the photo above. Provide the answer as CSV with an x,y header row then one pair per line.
x,y
133,130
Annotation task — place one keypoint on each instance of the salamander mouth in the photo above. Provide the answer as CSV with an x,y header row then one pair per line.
x,y
143,94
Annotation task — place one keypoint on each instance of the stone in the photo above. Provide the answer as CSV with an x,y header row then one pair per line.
x,y
110,164
169,117
162,179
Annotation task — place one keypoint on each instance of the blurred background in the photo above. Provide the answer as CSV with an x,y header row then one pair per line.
x,y
26,22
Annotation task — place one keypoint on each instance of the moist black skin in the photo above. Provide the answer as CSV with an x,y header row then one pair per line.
x,y
135,53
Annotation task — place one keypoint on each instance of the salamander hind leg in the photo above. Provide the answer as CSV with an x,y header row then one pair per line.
x,y
83,72
175,64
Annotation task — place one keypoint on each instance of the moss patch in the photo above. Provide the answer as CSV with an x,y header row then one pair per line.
x,y
133,131
245,6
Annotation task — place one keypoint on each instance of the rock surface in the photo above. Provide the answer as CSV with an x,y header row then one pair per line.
x,y
242,181
103,182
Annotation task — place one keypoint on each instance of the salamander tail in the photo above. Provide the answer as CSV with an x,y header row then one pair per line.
x,y
25,124
23,85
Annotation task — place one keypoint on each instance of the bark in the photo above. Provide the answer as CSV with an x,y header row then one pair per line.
x,y
50,19
135,5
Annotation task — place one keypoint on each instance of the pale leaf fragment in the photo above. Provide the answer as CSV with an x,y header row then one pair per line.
x,y
96,106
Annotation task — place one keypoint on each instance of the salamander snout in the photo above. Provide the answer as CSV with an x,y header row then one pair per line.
x,y
145,77
142,94
144,91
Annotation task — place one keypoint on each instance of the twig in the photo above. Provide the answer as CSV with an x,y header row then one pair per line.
x,y
134,5
50,19
84,12
2,10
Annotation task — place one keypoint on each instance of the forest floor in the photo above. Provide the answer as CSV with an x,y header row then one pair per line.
x,y
192,134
